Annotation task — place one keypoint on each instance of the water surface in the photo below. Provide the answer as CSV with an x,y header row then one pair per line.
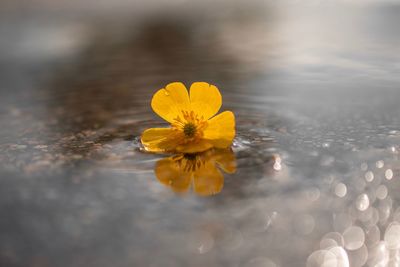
x,y
315,92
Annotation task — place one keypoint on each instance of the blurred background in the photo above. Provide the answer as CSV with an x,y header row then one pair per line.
x,y
315,89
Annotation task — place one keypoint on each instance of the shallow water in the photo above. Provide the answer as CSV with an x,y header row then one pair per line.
x,y
315,92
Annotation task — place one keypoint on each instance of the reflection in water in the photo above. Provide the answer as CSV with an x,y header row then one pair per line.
x,y
201,170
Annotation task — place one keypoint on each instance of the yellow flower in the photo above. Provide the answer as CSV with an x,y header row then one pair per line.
x,y
194,128
180,171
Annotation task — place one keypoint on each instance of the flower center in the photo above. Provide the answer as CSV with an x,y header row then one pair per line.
x,y
191,125
189,162
189,129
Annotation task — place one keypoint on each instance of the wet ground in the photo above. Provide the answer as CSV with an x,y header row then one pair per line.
x,y
313,174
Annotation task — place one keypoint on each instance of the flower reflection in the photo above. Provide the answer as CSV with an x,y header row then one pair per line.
x,y
202,170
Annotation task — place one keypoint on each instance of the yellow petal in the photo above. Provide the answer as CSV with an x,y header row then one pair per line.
x,y
221,130
194,147
225,159
205,99
171,174
168,103
159,139
208,180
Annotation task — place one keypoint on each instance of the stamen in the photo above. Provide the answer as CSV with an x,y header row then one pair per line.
x,y
190,126
189,129
192,162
